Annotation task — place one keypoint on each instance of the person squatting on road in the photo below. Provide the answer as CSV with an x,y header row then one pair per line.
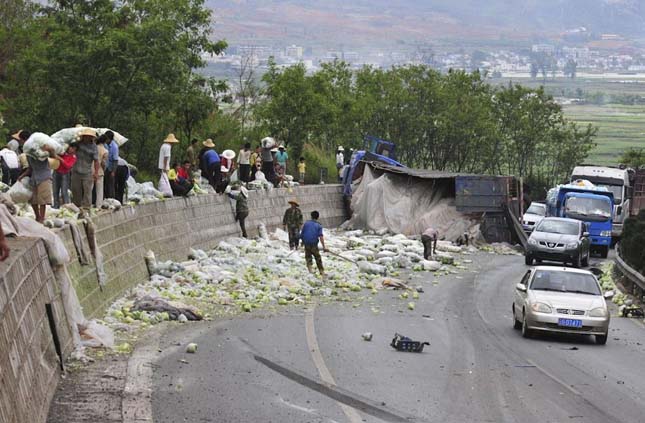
x,y
292,222
241,206
429,240
311,233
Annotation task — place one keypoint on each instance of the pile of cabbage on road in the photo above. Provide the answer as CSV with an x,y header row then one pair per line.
x,y
241,275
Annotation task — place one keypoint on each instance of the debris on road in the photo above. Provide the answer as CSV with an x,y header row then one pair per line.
x,y
403,343
367,336
191,348
632,311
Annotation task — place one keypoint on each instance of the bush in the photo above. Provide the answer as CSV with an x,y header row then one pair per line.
x,y
317,158
633,239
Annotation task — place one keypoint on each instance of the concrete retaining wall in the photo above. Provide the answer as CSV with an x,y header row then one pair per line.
x,y
28,361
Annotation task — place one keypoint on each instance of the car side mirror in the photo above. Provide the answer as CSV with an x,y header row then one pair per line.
x,y
585,234
520,287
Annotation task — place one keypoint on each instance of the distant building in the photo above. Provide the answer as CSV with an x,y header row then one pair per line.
x,y
351,56
610,37
294,52
543,48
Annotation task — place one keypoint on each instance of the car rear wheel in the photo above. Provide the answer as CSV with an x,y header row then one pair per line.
x,y
517,325
526,332
601,339
528,260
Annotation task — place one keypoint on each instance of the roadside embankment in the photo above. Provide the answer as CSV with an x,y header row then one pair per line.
x,y
29,365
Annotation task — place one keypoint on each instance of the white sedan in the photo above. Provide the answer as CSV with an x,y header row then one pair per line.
x,y
555,299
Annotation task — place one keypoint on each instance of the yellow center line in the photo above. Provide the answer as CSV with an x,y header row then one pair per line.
x,y
319,362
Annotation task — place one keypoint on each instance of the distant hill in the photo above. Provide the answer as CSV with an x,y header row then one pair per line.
x,y
355,22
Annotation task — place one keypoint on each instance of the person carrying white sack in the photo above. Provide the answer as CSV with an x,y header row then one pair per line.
x,y
86,169
164,164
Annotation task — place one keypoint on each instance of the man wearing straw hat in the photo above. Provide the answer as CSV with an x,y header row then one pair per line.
x,y
292,222
86,169
211,164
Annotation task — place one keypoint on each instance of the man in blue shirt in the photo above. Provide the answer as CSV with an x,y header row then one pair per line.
x,y
311,233
111,165
211,164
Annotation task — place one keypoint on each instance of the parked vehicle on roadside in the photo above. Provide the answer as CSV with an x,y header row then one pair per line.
x,y
565,300
533,215
559,239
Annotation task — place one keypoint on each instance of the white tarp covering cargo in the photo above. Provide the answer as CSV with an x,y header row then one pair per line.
x,y
408,206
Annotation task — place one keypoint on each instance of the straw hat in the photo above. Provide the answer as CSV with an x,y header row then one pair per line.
x,y
223,169
228,154
170,139
16,136
340,148
294,201
53,163
274,149
208,143
87,132
281,146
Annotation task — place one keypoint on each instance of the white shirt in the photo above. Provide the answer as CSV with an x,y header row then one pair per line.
x,y
10,158
340,159
245,157
164,152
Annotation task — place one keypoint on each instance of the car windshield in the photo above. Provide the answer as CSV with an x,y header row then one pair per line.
x,y
560,281
540,210
558,227
594,209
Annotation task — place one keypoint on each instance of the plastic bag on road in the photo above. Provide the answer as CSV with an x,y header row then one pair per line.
x,y
95,335
21,191
164,185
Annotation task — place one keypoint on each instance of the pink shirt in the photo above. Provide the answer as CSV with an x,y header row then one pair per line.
x,y
431,232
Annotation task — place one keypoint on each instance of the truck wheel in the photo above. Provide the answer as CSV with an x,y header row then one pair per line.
x,y
604,251
528,260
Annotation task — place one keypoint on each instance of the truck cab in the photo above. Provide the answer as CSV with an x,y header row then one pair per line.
x,y
616,180
590,204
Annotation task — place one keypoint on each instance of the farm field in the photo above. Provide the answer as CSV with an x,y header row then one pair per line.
x,y
620,126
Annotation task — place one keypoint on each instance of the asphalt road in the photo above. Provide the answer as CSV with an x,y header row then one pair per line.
x,y
311,365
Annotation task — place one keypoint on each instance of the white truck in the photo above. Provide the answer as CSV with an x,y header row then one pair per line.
x,y
615,180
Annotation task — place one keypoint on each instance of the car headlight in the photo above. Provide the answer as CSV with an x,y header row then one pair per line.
x,y
572,245
532,241
605,233
598,312
541,308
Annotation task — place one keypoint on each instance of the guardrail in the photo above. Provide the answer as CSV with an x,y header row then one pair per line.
x,y
635,280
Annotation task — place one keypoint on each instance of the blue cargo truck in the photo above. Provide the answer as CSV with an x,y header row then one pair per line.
x,y
590,204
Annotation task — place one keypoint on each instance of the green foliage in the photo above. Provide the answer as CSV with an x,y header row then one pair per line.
x,y
634,158
452,122
315,159
632,241
125,65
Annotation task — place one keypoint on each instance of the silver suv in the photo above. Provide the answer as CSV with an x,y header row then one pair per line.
x,y
559,239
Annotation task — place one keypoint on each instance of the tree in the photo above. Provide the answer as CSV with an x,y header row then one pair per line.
x,y
570,68
125,65
247,87
634,158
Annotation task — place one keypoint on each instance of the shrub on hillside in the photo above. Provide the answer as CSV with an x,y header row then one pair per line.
x,y
633,240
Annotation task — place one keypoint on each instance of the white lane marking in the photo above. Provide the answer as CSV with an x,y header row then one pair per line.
x,y
319,362
554,378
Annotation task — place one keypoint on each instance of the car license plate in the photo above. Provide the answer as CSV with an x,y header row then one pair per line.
x,y
570,323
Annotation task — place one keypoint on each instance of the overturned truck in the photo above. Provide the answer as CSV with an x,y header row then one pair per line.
x,y
387,197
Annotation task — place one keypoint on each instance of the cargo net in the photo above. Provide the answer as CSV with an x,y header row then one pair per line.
x,y
403,205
